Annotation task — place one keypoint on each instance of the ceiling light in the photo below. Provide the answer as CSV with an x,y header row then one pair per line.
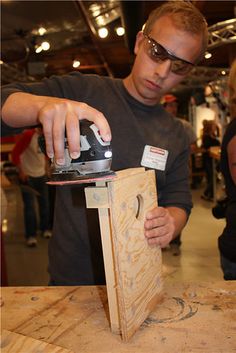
x,y
208,55
1,62
100,21
38,49
42,31
223,72
120,31
103,32
76,63
45,45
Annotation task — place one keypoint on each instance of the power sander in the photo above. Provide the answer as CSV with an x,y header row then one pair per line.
x,y
94,162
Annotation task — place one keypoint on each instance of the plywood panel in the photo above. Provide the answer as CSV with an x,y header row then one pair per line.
x,y
12,342
137,264
97,197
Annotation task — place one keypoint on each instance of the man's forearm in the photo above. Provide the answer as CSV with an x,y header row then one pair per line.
x,y
180,219
21,109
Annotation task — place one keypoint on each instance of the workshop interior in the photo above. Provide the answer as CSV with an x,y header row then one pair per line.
x,y
44,38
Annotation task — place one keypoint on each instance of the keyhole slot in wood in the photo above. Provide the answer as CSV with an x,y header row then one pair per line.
x,y
138,207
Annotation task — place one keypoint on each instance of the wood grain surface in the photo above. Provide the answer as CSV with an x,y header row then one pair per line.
x,y
191,318
132,267
137,264
12,342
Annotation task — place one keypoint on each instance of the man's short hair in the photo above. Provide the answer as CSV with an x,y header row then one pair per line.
x,y
185,17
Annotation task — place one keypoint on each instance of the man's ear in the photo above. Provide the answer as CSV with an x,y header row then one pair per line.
x,y
139,39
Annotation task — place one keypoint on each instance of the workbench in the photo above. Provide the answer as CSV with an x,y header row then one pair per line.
x,y
189,318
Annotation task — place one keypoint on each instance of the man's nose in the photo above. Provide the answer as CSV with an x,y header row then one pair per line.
x,y
163,68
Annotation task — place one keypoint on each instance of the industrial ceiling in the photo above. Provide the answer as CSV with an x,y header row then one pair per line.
x,y
72,31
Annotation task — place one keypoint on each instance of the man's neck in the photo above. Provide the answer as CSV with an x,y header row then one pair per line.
x,y
130,87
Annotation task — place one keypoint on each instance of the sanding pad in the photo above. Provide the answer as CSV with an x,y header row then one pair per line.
x,y
67,179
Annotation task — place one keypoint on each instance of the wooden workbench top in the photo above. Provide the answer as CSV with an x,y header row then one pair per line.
x,y
190,318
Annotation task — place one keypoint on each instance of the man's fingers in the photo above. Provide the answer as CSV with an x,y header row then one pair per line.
x,y
157,221
154,232
91,114
73,135
156,212
158,227
47,132
60,114
58,133
159,237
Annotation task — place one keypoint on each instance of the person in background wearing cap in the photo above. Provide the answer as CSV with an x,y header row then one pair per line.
x,y
172,42
170,103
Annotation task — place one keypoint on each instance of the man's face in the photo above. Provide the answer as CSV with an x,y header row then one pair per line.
x,y
150,80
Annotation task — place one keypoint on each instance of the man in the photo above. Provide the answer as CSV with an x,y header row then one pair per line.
x,y
174,39
170,103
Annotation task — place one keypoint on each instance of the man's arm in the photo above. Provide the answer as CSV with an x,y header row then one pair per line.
x,y
180,219
56,115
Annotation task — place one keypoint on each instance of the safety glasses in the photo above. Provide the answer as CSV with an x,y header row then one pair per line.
x,y
158,53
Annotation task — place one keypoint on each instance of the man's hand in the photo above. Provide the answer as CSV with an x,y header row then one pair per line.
x,y
159,226
56,115
59,115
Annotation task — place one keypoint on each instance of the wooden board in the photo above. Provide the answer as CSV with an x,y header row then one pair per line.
x,y
191,318
132,267
12,342
137,264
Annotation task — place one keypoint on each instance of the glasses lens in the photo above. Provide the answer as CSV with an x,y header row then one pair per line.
x,y
158,53
180,67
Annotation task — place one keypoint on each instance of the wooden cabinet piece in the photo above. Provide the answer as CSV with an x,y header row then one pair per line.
x,y
132,266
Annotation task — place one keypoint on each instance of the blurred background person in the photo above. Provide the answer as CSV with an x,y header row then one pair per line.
x,y
209,139
170,103
32,163
227,240
4,203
